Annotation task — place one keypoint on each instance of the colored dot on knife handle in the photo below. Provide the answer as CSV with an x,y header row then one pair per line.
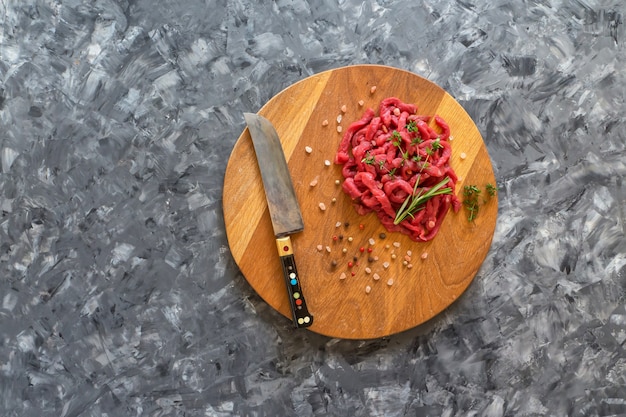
x,y
298,302
296,295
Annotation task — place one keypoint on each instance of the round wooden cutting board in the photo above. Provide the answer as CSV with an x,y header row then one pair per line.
x,y
436,272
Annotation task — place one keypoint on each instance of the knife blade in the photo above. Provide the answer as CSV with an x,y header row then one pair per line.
x,y
283,207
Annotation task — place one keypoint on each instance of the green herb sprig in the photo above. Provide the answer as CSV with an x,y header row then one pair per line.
x,y
415,202
472,201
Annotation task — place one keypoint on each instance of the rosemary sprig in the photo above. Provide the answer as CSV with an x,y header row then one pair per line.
x,y
415,202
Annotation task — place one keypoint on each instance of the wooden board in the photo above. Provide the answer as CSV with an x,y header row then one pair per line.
x,y
342,308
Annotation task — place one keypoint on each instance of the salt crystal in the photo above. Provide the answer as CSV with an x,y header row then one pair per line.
x,y
368,289
308,149
322,206
390,282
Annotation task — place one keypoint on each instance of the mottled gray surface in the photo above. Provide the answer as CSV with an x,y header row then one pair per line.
x,y
118,294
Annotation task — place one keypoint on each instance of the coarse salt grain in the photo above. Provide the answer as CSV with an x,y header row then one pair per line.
x,y
361,103
327,163
390,282
373,89
344,250
372,242
344,108
328,249
409,266
385,265
325,122
313,183
424,255
339,118
368,270
463,155
376,277
350,239
322,206
320,247
393,256
337,182
396,244
342,276
308,149
409,253
339,129
338,224
368,289
334,200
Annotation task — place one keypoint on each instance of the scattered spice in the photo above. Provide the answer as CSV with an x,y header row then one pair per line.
x,y
390,282
368,289
376,277
337,182
320,248
322,206
308,149
463,155
327,163
361,103
372,242
339,118
325,122
344,108
339,129
314,182
373,89
382,235
424,255
368,270
328,249
342,276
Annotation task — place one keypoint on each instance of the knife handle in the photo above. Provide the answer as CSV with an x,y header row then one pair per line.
x,y
301,316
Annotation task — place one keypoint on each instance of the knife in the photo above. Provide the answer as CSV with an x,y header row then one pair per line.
x,y
283,207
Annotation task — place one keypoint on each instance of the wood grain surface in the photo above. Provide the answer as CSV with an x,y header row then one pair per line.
x,y
342,307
